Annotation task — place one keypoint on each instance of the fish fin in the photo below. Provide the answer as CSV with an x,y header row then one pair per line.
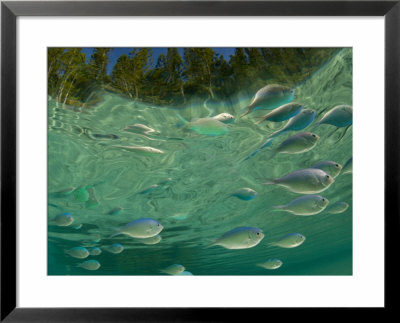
x,y
251,155
270,182
181,119
278,207
210,243
271,244
247,112
343,134
116,233
274,153
276,134
262,118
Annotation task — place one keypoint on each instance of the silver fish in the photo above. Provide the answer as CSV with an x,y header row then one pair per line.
x,y
290,240
142,149
283,113
78,252
298,143
140,129
95,251
305,205
115,248
245,194
150,241
224,117
63,219
339,116
330,167
337,208
174,269
240,238
185,273
89,265
298,122
271,97
141,228
304,181
271,264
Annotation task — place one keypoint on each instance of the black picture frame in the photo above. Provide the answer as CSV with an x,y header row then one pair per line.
x,y
11,10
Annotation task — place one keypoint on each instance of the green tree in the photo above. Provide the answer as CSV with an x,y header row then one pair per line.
x,y
140,62
239,64
72,63
198,63
121,76
54,62
223,77
98,66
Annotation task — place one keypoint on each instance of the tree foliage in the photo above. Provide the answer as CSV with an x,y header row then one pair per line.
x,y
176,76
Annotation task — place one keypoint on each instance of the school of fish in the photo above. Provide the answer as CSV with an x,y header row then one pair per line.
x,y
307,182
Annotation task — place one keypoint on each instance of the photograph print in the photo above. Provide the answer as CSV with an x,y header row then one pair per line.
x,y
200,161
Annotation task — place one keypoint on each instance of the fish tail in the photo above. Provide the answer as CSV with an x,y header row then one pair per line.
x,y
116,233
252,154
271,182
210,244
343,134
181,119
261,120
247,112
275,152
276,134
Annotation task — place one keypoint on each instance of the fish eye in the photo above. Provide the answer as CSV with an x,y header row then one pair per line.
x,y
323,200
313,135
337,165
327,176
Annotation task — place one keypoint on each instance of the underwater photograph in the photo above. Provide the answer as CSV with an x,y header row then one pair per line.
x,y
200,161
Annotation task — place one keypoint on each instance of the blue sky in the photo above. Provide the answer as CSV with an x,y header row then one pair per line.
x,y
115,53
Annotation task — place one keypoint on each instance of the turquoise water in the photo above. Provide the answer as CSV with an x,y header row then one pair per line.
x,y
196,176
